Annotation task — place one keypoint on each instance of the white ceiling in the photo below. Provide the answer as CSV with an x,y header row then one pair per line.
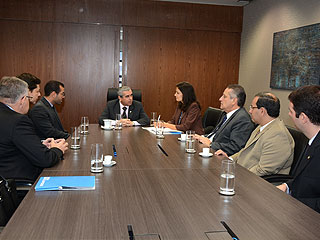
x,y
216,2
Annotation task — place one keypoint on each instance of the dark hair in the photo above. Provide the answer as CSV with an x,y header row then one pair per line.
x,y
189,95
270,102
52,86
307,100
32,80
239,93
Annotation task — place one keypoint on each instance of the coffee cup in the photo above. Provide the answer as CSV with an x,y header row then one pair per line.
x,y
107,160
107,123
183,137
205,151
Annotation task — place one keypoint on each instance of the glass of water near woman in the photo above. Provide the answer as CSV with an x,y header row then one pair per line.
x,y
190,141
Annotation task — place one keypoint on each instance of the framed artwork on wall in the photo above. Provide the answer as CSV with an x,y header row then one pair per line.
x,y
296,58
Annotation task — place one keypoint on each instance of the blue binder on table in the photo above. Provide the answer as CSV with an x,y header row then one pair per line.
x,y
66,183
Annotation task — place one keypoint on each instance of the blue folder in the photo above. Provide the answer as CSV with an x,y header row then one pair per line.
x,y
66,183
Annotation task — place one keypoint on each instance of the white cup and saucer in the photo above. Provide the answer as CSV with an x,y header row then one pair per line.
x,y
107,124
107,162
182,137
206,152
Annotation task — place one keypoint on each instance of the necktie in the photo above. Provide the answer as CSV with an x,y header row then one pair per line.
x,y
124,114
218,126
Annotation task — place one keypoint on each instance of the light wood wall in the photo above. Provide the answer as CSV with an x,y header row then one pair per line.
x,y
77,42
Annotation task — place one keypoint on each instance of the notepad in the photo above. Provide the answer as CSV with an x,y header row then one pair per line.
x,y
63,183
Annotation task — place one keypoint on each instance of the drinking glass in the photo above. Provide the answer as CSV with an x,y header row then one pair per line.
x,y
96,158
227,177
153,118
75,138
190,141
118,122
84,125
159,129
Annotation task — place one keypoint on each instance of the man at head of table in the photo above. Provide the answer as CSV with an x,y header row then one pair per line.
x,y
131,111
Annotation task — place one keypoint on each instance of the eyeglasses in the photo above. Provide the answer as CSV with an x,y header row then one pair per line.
x,y
29,97
252,107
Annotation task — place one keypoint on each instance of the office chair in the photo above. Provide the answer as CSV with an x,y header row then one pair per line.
x,y
300,142
113,94
210,119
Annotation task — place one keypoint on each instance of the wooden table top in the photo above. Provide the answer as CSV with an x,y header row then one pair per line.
x,y
176,197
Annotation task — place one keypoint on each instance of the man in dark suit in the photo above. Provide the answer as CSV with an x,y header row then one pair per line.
x,y
131,111
22,155
235,125
44,115
304,109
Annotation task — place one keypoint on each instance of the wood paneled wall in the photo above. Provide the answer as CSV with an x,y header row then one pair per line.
x,y
77,42
157,59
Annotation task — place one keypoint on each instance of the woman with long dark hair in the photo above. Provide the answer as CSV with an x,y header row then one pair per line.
x,y
188,112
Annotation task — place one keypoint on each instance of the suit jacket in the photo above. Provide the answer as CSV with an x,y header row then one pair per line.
x,y
136,112
46,121
234,133
268,152
190,119
22,155
305,185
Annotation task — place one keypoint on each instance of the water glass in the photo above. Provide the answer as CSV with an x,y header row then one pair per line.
x,y
153,118
227,177
84,125
159,129
96,158
75,138
118,122
190,141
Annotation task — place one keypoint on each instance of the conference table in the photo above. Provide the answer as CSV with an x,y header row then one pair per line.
x,y
161,197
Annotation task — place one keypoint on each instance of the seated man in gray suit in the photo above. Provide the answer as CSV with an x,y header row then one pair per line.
x,y
235,125
270,147
44,115
131,111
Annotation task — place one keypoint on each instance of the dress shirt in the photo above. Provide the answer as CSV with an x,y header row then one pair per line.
x,y
229,114
135,123
48,102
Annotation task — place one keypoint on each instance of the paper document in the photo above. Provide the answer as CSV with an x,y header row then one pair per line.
x,y
66,183
165,131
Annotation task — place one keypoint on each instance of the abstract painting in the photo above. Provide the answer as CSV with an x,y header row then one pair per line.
x,y
296,58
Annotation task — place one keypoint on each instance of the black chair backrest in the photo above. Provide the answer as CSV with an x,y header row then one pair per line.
x,y
300,142
211,118
113,94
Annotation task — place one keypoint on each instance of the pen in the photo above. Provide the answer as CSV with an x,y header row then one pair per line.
x,y
234,236
162,150
130,232
114,150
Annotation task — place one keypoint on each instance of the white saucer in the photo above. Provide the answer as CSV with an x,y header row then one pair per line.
x,y
109,165
179,139
107,128
205,155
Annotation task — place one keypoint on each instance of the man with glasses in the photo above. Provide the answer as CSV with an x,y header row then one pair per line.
x,y
22,155
270,147
44,115
131,111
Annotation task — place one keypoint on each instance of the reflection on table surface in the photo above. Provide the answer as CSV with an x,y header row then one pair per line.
x,y
176,197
